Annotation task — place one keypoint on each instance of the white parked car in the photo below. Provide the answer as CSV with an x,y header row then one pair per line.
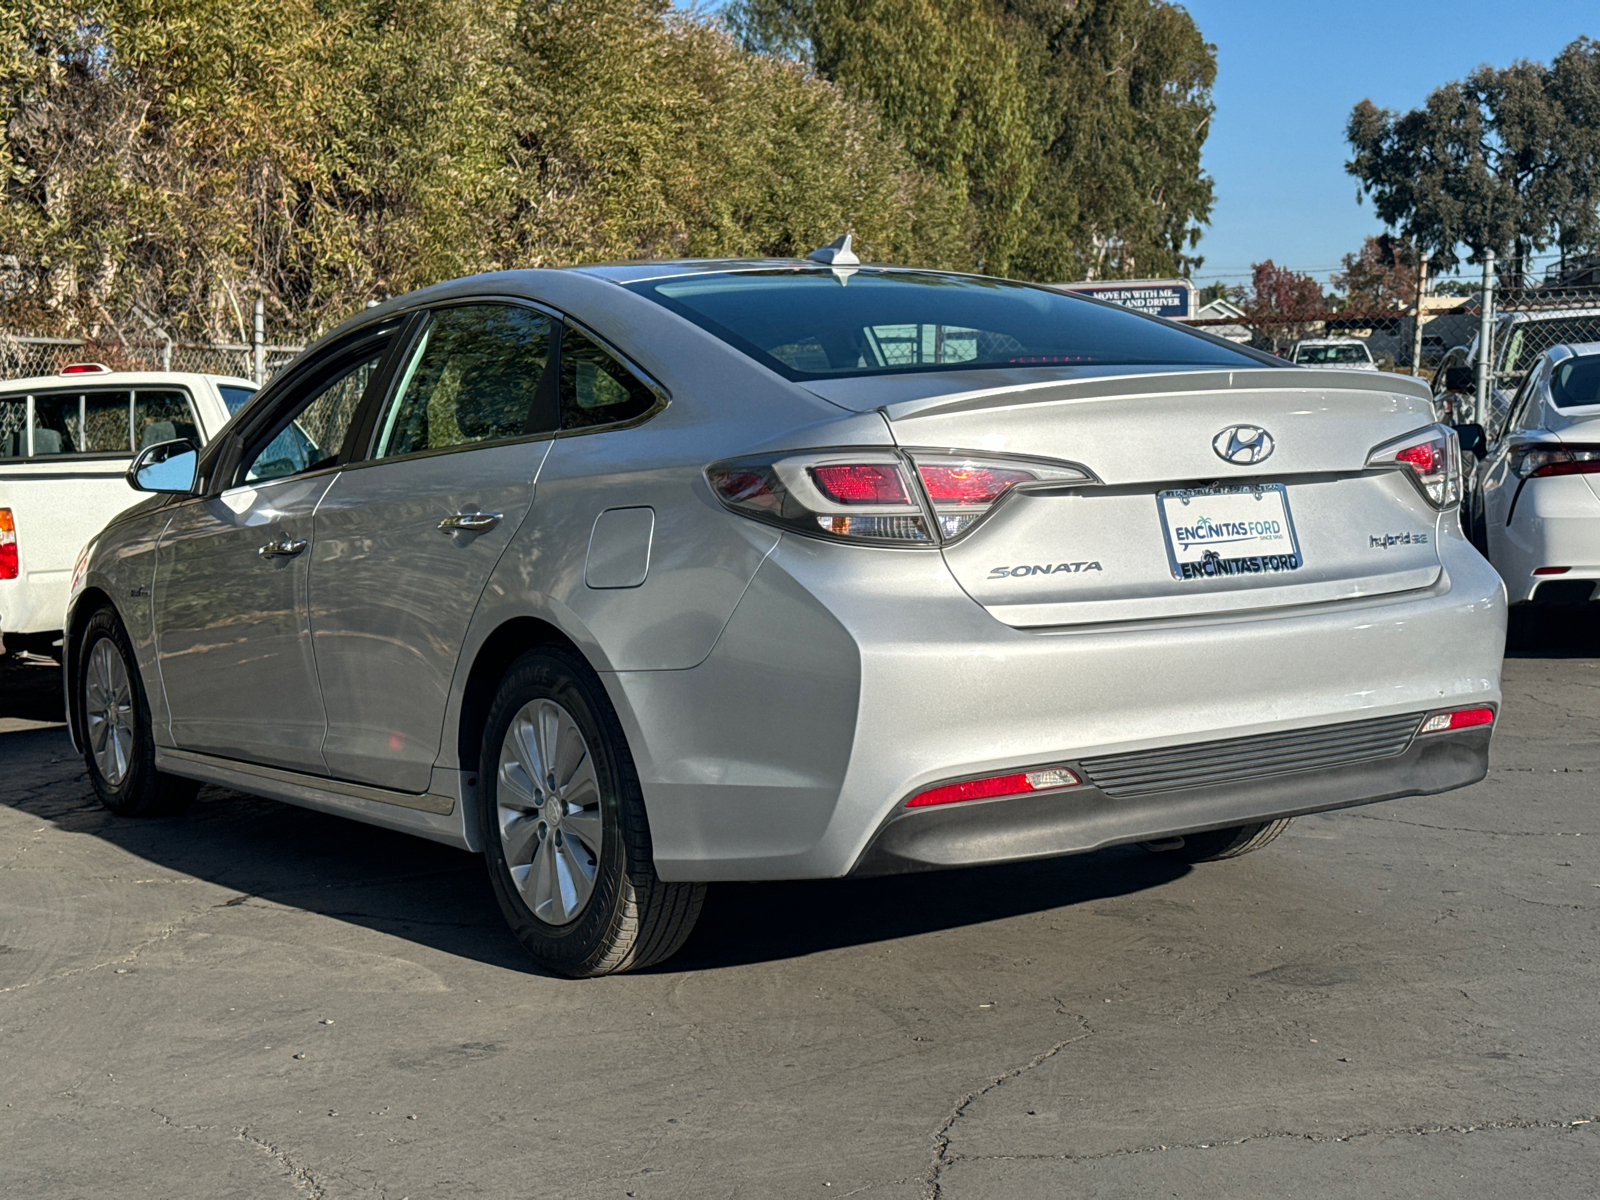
x,y
1537,509
1340,354
66,442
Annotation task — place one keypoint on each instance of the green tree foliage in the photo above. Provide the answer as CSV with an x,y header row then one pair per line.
x,y
1069,133
168,160
1505,160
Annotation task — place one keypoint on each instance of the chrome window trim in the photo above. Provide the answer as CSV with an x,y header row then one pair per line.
x,y
413,455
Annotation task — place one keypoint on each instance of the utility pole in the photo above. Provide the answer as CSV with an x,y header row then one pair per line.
x,y
260,375
1416,318
1485,339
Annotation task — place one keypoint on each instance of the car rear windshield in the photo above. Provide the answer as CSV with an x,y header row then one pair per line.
x,y
104,421
824,324
1575,383
1521,345
1316,355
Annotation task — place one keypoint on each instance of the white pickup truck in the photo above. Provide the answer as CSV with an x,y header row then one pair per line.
x,y
65,443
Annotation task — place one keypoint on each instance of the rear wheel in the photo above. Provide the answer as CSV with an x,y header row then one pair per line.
x,y
1215,844
564,828
118,747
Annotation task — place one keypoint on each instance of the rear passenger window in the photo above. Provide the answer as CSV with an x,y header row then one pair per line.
x,y
595,388
14,427
472,378
162,416
104,422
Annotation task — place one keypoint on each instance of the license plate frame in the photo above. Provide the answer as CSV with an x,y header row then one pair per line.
x,y
1268,549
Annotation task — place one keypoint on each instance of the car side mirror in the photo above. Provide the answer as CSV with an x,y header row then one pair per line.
x,y
1460,379
165,467
1472,438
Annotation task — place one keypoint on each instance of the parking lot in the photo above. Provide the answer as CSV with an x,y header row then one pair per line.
x,y
254,1000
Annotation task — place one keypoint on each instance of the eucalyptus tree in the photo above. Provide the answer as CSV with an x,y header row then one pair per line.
x,y
1071,133
1503,160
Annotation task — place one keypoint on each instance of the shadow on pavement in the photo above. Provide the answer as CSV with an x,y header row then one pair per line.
x,y
439,897
1554,632
30,689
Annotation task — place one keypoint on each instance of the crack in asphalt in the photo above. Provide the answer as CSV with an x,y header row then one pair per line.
x,y
139,949
932,1180
301,1177
168,1121
1288,1135
1466,829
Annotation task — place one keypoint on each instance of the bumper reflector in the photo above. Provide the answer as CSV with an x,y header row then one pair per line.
x,y
1462,718
1017,784
1551,570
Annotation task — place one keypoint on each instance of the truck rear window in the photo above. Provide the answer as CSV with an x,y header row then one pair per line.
x,y
115,422
820,324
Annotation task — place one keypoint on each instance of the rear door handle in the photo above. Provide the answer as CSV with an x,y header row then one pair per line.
x,y
470,522
284,549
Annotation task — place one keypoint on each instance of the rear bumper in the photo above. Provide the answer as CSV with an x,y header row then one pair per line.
x,y
837,691
1085,818
1555,523
34,603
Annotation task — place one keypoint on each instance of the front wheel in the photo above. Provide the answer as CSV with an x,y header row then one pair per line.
x,y
1216,844
564,829
118,747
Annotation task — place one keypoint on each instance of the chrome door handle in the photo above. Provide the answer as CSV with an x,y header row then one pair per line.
x,y
283,549
470,522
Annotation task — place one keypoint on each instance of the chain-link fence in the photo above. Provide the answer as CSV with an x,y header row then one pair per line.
x,y
1524,323
24,356
1529,322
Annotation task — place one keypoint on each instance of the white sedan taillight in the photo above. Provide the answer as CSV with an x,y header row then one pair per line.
x,y
1431,459
1538,460
884,497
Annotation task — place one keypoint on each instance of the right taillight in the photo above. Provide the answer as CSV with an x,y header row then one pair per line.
x,y
8,545
1431,458
884,497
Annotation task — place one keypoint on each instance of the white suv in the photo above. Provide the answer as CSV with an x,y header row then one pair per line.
x,y
65,443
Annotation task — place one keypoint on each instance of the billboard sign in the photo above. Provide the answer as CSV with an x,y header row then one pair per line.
x,y
1153,297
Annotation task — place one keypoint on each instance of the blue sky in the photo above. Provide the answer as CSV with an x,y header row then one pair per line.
x,y
1288,74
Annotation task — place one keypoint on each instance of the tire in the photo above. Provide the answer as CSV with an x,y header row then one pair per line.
x,y
581,909
118,747
1216,844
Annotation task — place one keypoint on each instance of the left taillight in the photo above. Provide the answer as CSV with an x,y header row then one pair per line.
x,y
8,545
883,497
1431,459
1538,460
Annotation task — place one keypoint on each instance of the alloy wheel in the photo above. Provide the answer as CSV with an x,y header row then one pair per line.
x,y
108,711
547,797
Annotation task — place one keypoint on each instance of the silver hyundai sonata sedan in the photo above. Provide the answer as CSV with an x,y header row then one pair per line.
x,y
638,577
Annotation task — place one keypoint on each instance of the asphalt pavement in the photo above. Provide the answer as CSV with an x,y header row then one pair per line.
x,y
255,1001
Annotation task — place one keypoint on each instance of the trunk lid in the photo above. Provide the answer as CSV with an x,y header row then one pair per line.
x,y
1115,550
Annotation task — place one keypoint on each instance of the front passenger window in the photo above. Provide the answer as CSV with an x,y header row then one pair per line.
x,y
314,437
